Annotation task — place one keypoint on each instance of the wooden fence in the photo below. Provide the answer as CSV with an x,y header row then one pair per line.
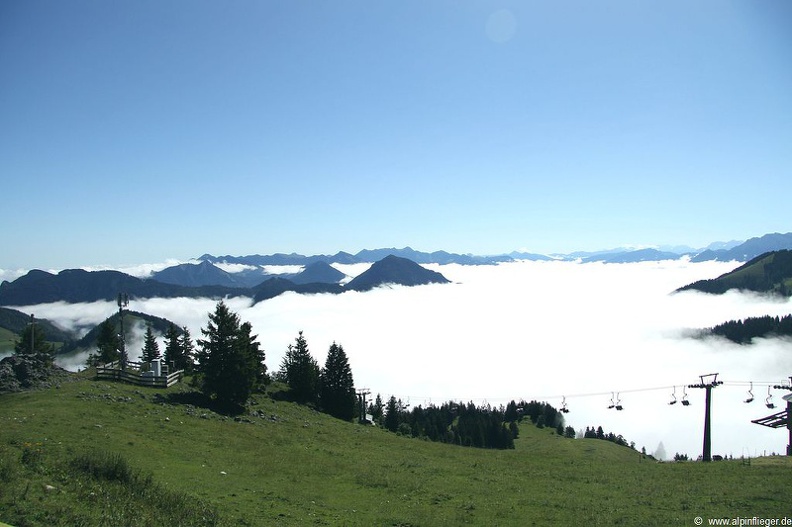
x,y
133,375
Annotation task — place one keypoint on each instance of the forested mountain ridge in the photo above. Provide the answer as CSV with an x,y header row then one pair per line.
x,y
744,331
16,321
77,285
768,273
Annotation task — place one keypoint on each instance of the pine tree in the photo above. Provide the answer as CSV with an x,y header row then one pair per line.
x,y
173,349
32,341
151,349
254,354
376,410
301,371
337,393
107,344
225,367
187,351
392,410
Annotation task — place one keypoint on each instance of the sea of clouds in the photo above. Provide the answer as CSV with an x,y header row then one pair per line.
x,y
552,331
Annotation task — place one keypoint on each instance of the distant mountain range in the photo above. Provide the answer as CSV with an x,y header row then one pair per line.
x,y
720,251
207,279
77,285
367,256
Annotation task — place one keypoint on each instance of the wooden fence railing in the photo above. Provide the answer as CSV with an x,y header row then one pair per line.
x,y
133,375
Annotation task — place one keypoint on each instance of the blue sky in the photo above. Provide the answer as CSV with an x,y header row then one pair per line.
x,y
133,132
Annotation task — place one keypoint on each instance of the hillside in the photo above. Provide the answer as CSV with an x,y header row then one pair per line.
x,y
395,270
77,285
115,454
88,342
13,322
767,273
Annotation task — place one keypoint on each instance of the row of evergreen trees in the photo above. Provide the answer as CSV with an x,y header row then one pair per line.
x,y
179,346
332,388
228,364
743,331
464,424
599,433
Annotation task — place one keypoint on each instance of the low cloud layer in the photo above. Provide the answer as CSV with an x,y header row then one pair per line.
x,y
533,330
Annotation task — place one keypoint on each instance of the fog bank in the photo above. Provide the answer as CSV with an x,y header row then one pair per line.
x,y
532,330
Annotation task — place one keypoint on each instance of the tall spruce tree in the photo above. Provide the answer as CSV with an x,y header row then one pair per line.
x,y
173,349
151,349
107,344
337,392
226,364
300,371
254,353
179,348
392,414
187,350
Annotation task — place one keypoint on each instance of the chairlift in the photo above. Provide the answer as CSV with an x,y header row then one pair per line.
x,y
612,404
684,401
750,394
619,407
673,397
769,400
564,408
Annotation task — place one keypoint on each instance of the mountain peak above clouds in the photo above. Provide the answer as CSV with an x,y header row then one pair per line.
x,y
395,270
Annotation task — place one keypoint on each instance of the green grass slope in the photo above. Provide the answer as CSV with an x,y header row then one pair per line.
x,y
161,463
770,272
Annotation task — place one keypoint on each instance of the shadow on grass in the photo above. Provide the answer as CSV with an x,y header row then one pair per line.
x,y
199,400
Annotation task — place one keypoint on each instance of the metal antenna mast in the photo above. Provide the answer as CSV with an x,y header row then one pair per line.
x,y
711,382
123,301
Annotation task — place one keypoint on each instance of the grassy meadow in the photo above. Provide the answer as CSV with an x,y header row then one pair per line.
x,y
102,453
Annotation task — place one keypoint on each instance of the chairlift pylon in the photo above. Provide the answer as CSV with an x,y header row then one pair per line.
x,y
750,394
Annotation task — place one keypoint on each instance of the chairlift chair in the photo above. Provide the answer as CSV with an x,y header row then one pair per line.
x,y
769,400
674,397
750,394
564,408
612,404
684,401
619,407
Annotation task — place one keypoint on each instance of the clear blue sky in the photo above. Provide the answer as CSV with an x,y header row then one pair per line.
x,y
133,132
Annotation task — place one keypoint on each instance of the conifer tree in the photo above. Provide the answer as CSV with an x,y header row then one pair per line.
x,y
173,349
107,344
337,393
32,343
377,409
226,368
301,371
187,350
151,349
392,410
